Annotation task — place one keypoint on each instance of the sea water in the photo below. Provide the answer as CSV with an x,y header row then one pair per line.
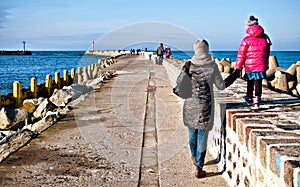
x,y
41,63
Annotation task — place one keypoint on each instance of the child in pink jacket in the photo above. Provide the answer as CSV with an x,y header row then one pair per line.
x,y
253,54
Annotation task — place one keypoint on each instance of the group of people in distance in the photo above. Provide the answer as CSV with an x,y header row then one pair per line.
x,y
198,114
160,53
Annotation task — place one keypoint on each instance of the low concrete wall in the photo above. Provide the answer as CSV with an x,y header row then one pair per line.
x,y
253,148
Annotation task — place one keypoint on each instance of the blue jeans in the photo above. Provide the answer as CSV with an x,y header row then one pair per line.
x,y
198,143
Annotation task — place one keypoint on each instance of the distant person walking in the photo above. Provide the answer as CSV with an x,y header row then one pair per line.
x,y
253,54
160,53
198,109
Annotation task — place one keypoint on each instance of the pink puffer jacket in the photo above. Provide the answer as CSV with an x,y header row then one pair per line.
x,y
254,51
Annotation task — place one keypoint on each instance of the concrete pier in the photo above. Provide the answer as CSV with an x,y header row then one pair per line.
x,y
129,132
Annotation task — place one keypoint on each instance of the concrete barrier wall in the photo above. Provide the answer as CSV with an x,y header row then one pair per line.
x,y
253,148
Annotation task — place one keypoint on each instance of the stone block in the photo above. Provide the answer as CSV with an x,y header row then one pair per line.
x,y
225,63
295,92
289,168
243,124
266,141
273,62
298,88
291,84
271,72
249,115
278,155
298,74
255,134
280,69
291,70
282,83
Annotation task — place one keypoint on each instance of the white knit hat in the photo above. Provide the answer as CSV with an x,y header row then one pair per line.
x,y
251,21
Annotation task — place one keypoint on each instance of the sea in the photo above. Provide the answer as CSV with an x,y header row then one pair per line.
x,y
41,63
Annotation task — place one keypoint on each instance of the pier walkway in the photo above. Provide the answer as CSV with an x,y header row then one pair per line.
x,y
128,132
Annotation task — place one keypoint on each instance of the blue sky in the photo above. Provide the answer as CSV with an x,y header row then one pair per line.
x,y
73,24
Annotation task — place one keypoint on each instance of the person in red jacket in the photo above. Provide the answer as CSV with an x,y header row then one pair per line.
x,y
253,55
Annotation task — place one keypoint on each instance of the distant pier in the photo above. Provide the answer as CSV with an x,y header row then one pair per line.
x,y
15,53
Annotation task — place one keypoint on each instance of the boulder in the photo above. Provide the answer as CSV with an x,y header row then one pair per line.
x,y
69,93
29,106
13,119
15,142
61,97
43,108
36,101
94,82
47,121
79,89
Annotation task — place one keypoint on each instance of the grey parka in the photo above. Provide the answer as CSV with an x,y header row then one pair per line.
x,y
198,110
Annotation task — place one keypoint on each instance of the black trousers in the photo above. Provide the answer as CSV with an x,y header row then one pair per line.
x,y
255,85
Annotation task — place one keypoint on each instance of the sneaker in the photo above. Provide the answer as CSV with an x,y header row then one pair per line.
x,y
248,100
255,104
255,107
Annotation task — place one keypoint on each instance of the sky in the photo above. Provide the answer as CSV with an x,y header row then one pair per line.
x,y
119,24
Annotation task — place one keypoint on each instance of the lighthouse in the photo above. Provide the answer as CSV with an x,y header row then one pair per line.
x,y
93,46
24,45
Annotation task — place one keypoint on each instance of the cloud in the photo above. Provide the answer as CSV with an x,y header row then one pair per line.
x,y
3,17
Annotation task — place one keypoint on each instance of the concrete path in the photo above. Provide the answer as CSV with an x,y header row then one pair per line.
x,y
128,132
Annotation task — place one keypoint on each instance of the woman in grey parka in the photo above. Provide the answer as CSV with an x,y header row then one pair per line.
x,y
197,110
